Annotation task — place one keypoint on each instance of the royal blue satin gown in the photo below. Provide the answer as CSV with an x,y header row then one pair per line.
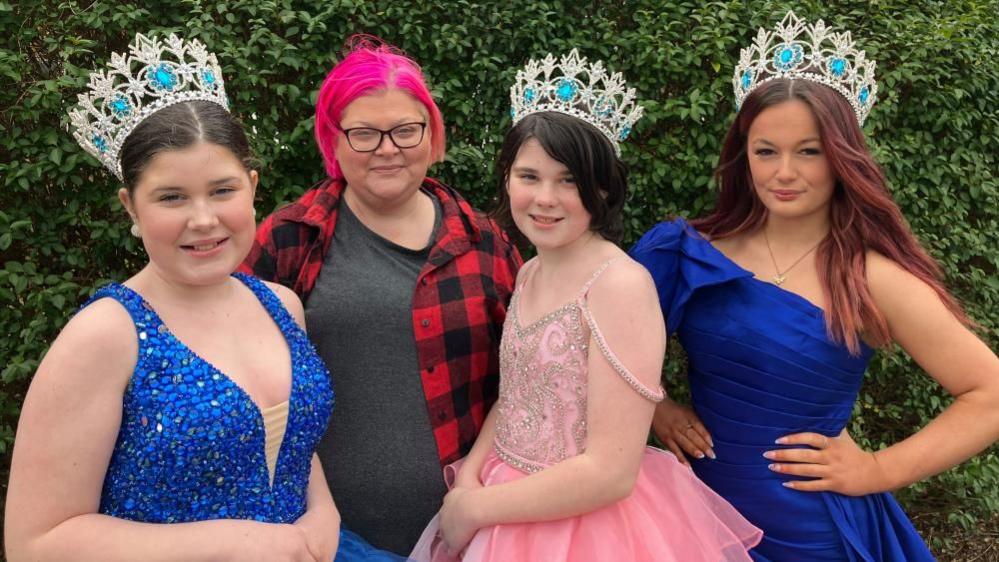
x,y
761,367
191,442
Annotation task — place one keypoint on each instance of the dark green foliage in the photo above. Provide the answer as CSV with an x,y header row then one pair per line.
x,y
935,130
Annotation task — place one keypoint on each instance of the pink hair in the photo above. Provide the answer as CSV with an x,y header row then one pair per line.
x,y
371,66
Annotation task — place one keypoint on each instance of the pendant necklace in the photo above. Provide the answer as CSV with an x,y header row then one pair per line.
x,y
781,276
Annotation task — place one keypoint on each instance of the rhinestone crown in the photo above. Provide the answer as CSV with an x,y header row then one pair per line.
x,y
797,50
574,87
154,75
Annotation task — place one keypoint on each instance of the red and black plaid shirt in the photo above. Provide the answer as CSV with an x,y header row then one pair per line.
x,y
459,303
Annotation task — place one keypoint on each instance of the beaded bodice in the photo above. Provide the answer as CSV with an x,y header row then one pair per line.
x,y
541,417
191,443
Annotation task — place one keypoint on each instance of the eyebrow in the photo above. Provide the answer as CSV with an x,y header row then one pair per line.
x,y
213,183
803,141
403,121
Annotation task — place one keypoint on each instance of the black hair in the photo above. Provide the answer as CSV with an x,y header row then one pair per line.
x,y
601,177
179,126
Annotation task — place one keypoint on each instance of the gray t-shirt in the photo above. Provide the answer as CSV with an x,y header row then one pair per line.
x,y
379,452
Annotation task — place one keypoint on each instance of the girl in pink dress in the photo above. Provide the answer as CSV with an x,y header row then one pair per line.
x,y
561,471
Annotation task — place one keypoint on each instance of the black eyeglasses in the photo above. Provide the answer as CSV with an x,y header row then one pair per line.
x,y
367,139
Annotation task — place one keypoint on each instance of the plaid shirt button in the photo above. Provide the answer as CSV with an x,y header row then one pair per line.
x,y
425,323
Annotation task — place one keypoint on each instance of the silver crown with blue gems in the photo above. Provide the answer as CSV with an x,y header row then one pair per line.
x,y
154,75
576,88
797,50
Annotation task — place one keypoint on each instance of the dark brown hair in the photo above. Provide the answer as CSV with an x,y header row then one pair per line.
x,y
601,177
179,126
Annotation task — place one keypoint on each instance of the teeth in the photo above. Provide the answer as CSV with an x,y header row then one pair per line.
x,y
545,220
205,247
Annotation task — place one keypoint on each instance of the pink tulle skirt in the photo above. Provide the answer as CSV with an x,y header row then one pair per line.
x,y
670,516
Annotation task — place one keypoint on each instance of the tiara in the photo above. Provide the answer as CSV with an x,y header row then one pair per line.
x,y
796,50
119,98
573,87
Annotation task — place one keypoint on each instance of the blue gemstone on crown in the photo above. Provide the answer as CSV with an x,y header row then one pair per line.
x,y
798,50
572,86
566,90
837,67
162,77
788,56
513,113
99,143
121,96
120,106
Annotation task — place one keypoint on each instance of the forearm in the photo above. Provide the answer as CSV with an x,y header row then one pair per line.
x,y
319,498
476,458
965,428
102,538
573,487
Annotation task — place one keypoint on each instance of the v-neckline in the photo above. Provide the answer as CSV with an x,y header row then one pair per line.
x,y
166,331
561,309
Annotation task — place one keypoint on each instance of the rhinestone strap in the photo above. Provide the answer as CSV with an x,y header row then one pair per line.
x,y
656,395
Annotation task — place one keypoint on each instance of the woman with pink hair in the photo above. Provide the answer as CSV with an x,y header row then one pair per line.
x,y
405,289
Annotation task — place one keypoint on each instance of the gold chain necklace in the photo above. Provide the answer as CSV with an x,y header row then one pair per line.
x,y
781,276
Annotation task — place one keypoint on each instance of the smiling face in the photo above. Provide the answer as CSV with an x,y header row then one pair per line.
x,y
544,199
194,211
790,172
388,176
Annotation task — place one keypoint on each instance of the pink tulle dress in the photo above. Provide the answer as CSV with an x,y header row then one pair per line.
x,y
541,421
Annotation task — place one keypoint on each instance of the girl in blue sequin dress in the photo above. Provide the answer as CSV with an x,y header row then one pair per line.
x,y
176,415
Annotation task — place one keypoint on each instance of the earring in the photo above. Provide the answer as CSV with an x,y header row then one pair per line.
x,y
135,230
254,212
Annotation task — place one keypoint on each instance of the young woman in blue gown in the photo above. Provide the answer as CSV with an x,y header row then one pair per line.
x,y
780,297
176,415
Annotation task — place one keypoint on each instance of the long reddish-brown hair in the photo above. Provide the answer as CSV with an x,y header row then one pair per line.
x,y
863,216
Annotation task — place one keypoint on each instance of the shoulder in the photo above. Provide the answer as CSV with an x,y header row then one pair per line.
x,y
96,348
894,288
317,204
662,239
290,301
625,282
886,276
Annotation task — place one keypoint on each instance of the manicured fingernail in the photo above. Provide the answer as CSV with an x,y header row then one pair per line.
x,y
787,484
712,454
699,455
770,455
774,467
781,440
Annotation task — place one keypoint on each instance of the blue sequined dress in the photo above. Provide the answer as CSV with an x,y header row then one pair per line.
x,y
191,442
760,367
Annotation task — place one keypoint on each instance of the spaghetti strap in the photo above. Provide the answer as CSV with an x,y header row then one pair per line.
x,y
596,274
654,395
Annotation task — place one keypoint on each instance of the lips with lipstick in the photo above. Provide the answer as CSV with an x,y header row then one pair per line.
x,y
785,194
203,246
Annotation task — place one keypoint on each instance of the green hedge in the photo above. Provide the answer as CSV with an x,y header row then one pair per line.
x,y
935,130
